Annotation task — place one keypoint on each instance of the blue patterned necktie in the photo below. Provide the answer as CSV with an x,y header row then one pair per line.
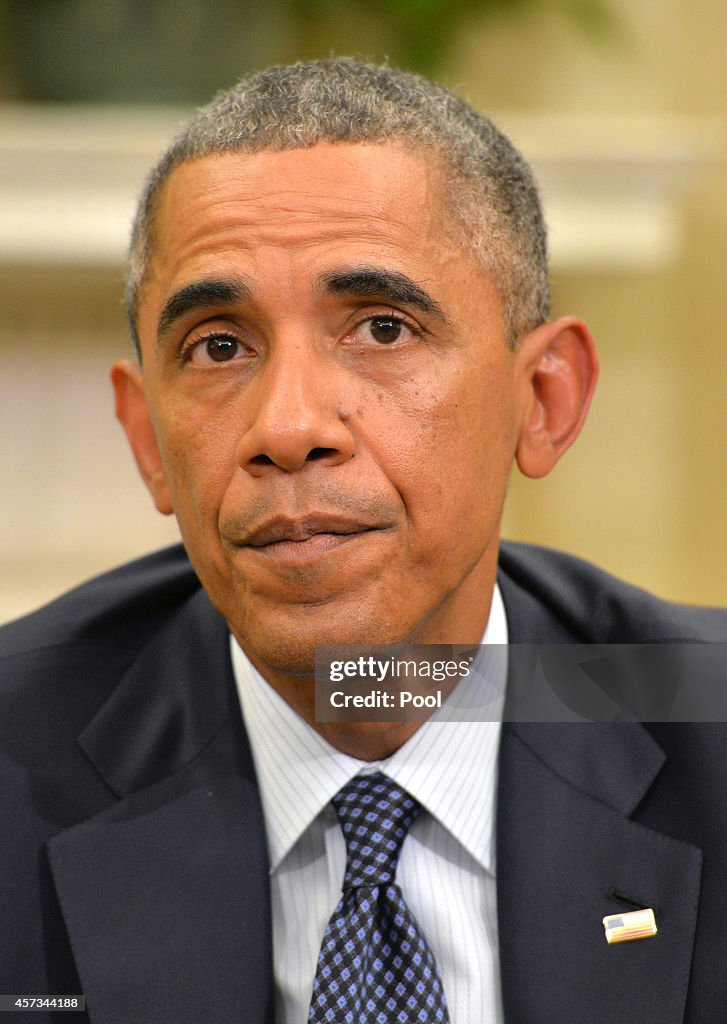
x,y
375,966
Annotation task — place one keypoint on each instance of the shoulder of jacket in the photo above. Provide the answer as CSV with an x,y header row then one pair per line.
x,y
597,607
121,606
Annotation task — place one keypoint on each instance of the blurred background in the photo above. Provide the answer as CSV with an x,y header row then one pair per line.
x,y
619,104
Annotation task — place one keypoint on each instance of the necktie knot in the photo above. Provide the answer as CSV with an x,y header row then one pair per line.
x,y
375,815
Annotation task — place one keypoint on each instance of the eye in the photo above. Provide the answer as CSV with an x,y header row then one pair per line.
x,y
212,349
385,329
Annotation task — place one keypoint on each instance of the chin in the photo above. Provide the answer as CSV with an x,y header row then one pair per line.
x,y
286,643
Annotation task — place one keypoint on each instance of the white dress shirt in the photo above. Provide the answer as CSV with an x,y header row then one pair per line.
x,y
447,866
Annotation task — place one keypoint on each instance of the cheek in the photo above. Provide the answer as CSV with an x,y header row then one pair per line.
x,y
452,444
198,453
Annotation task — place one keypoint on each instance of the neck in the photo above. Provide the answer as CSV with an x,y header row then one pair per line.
x,y
460,619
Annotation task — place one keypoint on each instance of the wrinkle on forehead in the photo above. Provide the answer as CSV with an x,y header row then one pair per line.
x,y
291,191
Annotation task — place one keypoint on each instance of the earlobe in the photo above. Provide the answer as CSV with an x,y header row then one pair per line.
x,y
558,369
133,414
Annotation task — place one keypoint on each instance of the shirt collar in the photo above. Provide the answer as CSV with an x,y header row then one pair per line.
x,y
450,767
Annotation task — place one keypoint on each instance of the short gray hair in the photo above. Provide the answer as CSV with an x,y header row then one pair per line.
x,y
491,194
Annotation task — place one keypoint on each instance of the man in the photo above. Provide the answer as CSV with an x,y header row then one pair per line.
x,y
338,293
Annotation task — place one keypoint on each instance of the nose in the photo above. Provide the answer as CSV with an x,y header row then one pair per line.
x,y
295,413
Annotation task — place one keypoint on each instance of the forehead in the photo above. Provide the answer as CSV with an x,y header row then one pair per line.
x,y
324,195
362,174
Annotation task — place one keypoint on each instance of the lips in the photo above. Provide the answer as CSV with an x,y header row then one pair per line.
x,y
299,530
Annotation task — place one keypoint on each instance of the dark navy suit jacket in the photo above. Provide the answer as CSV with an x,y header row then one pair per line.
x,y
132,851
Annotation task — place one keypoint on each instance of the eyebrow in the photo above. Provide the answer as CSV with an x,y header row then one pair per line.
x,y
357,282
380,283
201,295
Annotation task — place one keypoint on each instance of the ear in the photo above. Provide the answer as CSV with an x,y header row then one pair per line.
x,y
133,414
558,368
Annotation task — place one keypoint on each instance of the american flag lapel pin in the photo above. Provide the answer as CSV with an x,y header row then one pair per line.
x,y
639,924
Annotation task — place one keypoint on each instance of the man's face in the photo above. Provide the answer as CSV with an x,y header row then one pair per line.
x,y
334,401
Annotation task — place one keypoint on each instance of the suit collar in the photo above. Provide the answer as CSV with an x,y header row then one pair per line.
x,y
174,699
614,762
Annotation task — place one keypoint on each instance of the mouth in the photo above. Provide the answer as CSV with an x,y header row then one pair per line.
x,y
305,539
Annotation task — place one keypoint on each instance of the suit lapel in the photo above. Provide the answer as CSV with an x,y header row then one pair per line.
x,y
165,894
565,860
569,854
